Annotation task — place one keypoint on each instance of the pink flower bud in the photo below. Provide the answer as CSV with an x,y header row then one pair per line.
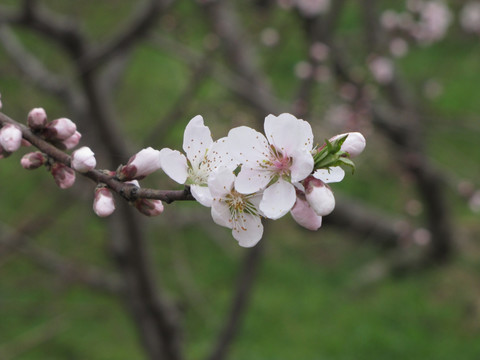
x,y
60,129
304,215
149,207
72,141
382,70
319,196
104,203
33,160
63,175
10,138
140,165
1,102
83,160
354,144
37,118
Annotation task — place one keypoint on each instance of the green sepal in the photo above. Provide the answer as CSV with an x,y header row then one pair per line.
x,y
331,155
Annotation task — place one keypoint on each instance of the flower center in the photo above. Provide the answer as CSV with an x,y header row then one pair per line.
x,y
279,162
239,203
199,175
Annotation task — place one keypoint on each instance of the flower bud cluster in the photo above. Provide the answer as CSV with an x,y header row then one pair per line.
x,y
63,134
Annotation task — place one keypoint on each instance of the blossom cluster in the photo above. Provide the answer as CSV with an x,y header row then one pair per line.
x,y
424,22
243,177
248,175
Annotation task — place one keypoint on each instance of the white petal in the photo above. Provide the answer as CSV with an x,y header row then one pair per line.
x,y
201,194
305,216
196,140
220,183
287,133
251,180
221,214
278,199
174,164
248,144
331,175
248,230
221,155
302,165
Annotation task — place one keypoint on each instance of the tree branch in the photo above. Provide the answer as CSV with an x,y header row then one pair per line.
x,y
238,306
128,191
67,269
141,22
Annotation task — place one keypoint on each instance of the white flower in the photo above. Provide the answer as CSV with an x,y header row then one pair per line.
x,y
273,164
83,160
233,210
203,157
10,138
143,163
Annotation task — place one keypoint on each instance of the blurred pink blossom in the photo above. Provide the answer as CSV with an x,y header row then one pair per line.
x,y
470,17
382,69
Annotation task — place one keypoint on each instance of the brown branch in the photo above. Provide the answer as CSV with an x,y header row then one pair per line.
x,y
32,338
239,54
67,269
127,191
64,31
319,29
399,122
160,131
223,75
140,23
30,65
246,278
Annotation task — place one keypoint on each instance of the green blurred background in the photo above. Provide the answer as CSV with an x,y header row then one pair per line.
x,y
319,295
